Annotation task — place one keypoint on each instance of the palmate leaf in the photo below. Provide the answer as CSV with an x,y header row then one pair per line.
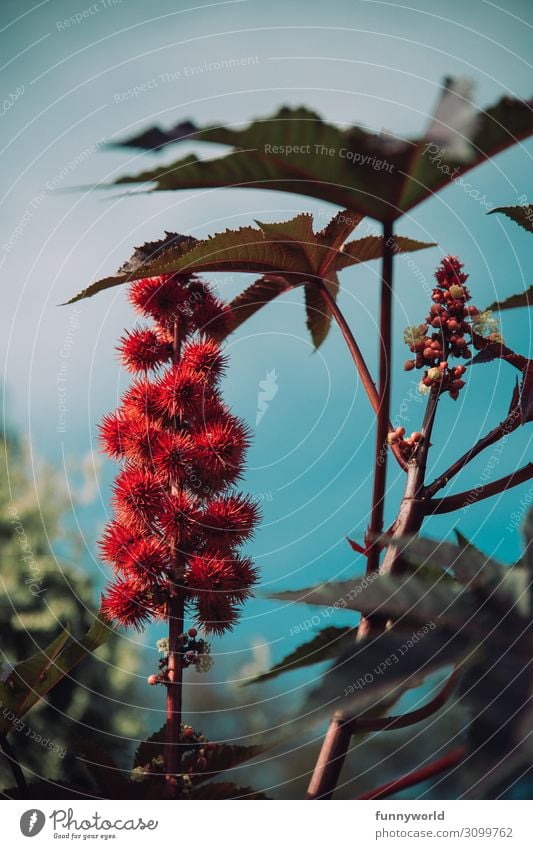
x,y
522,215
286,254
30,680
296,151
523,299
324,646
375,672
223,757
408,597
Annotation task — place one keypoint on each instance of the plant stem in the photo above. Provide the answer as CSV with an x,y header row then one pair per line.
x,y
357,356
337,740
464,499
409,520
176,608
375,526
331,758
509,424
392,723
338,735
423,774
174,691
16,769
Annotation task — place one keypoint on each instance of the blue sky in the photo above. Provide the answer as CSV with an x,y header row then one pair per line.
x,y
65,90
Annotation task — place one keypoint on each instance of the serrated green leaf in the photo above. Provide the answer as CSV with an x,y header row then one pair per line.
x,y
324,646
30,680
382,176
317,309
522,215
223,757
377,671
153,747
260,293
523,299
407,597
271,249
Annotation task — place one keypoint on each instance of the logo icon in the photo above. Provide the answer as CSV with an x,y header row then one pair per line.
x,y
32,822
268,389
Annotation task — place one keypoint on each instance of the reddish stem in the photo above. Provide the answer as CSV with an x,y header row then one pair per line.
x,y
392,723
355,351
472,496
331,758
383,417
423,774
509,424
174,692
176,606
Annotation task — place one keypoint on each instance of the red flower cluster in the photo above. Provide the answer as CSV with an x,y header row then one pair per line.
x,y
178,524
449,318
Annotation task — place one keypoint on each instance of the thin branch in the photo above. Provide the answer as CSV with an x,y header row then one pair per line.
x,y
506,427
16,769
423,774
472,496
391,723
357,356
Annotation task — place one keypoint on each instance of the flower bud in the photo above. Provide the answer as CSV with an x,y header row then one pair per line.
x,y
456,291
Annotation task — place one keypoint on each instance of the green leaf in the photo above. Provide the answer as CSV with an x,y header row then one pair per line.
x,y
407,597
318,311
148,260
32,679
383,176
108,777
223,757
245,305
523,299
324,646
150,748
377,671
522,215
371,247
287,254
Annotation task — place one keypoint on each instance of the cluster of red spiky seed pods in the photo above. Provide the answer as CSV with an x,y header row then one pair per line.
x,y
178,523
443,333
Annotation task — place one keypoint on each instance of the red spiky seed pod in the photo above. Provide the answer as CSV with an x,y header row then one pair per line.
x,y
179,393
138,495
205,358
146,562
112,430
128,604
220,448
173,455
142,349
180,519
229,520
141,399
116,542
160,297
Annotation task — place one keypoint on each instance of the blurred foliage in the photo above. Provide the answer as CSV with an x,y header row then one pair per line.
x,y
39,593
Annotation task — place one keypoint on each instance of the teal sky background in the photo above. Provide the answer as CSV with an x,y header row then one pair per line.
x,y
375,63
